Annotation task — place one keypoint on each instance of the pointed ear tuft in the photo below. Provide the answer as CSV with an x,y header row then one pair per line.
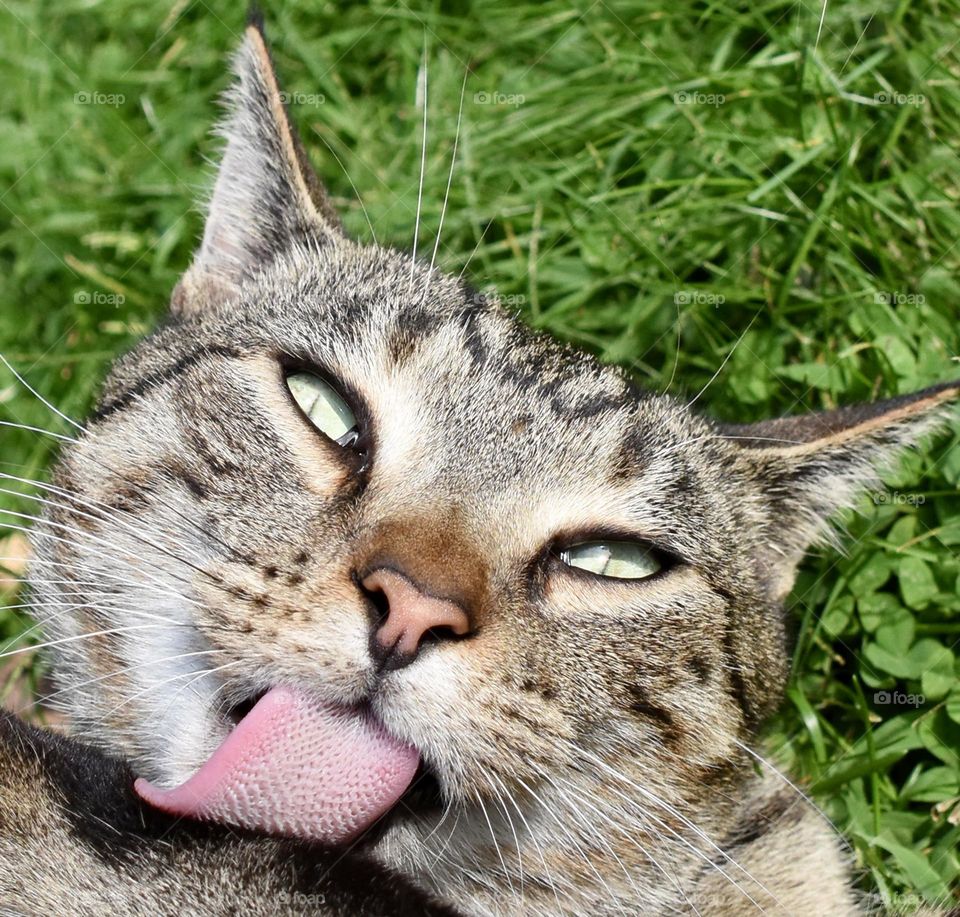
x,y
266,198
255,18
807,468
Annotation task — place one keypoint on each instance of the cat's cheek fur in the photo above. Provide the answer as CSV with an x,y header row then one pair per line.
x,y
312,633
184,595
651,654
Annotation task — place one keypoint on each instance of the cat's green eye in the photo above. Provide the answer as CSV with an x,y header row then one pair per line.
x,y
326,410
619,559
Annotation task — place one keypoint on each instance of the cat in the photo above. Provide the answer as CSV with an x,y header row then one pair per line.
x,y
347,553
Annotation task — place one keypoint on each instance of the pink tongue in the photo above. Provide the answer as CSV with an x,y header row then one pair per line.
x,y
296,767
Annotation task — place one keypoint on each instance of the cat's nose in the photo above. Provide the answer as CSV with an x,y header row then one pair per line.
x,y
410,618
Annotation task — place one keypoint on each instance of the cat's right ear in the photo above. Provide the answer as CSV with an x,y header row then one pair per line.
x,y
266,199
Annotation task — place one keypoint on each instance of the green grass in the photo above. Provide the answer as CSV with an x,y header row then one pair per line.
x,y
780,200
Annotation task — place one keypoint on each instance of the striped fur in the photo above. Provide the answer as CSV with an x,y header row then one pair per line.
x,y
591,738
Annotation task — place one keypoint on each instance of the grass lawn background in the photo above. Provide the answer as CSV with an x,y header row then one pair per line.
x,y
682,187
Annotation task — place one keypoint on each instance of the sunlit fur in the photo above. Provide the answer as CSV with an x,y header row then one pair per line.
x,y
202,543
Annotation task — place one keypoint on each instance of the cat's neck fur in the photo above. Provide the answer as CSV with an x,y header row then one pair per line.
x,y
753,846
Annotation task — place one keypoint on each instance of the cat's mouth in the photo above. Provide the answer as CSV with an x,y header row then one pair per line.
x,y
296,766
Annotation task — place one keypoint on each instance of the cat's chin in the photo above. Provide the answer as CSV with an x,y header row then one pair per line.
x,y
297,766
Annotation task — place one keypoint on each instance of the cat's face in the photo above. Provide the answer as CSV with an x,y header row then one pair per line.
x,y
437,566
484,454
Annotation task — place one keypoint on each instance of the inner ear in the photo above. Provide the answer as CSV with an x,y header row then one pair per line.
x,y
809,467
267,199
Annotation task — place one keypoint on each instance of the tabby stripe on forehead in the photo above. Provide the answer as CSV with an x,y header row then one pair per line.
x,y
160,376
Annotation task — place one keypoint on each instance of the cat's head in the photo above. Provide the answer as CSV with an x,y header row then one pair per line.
x,y
339,471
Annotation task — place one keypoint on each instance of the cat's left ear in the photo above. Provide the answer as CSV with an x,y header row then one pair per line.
x,y
266,199
807,468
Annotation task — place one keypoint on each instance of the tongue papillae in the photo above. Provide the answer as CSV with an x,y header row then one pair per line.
x,y
296,767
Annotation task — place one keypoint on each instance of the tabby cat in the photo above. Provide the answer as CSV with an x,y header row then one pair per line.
x,y
348,555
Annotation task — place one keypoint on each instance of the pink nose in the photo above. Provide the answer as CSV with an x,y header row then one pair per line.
x,y
411,613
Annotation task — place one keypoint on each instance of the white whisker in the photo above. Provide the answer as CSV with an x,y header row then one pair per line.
x,y
453,163
40,397
75,686
699,832
138,535
36,533
476,248
23,426
75,637
109,511
786,780
587,861
513,831
496,844
726,360
422,80
166,681
533,837
333,153
627,835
